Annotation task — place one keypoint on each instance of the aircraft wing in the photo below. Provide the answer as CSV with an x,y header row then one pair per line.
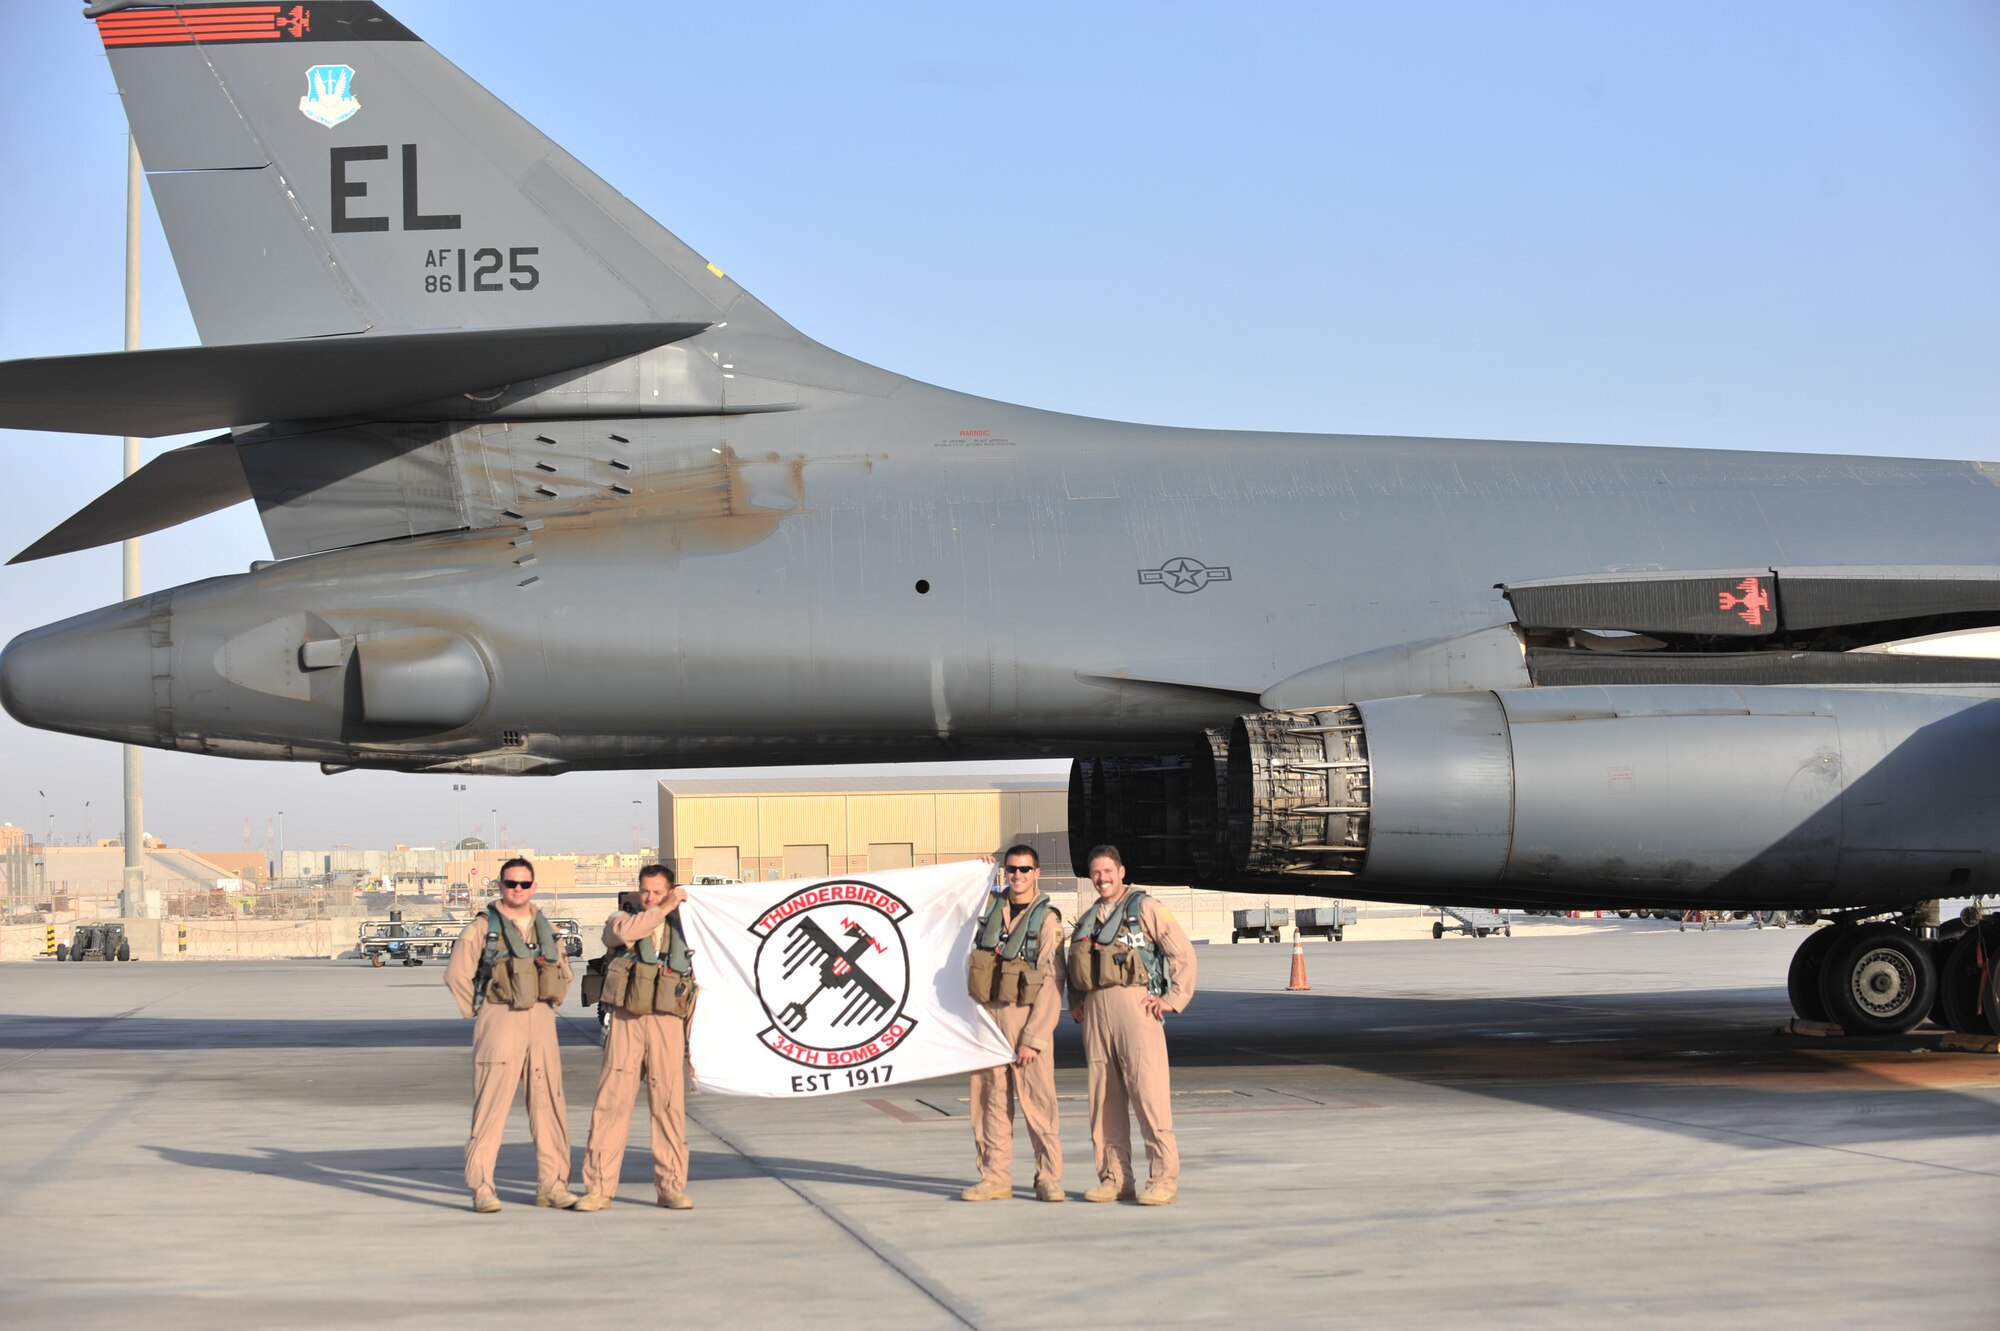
x,y
175,487
176,389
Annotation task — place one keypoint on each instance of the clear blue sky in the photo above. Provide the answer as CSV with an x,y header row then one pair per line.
x,y
1736,225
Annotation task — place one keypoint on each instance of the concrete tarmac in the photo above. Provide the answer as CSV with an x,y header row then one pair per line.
x,y
1560,1130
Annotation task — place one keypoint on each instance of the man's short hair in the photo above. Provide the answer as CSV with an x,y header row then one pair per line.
x,y
1106,852
517,863
657,871
1029,851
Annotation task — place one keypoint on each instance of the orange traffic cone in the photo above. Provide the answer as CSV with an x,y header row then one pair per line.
x,y
1298,966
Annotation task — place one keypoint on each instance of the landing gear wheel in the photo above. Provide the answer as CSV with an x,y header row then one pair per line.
x,y
1941,950
1878,981
1803,981
377,960
1960,982
1989,993
1437,929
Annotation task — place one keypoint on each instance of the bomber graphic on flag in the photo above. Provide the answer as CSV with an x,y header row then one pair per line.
x,y
839,984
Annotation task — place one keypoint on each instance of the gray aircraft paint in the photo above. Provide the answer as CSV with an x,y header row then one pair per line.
x,y
738,546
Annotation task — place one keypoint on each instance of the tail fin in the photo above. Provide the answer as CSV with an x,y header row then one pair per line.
x,y
320,171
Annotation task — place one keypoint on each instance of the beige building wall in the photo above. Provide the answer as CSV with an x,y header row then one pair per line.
x,y
779,834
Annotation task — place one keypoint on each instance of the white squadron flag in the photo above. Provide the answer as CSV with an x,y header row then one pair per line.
x,y
813,986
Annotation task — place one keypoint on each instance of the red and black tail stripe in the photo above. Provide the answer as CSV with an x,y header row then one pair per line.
x,y
206,25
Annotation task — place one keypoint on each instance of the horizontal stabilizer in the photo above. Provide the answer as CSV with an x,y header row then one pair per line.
x,y
174,487
177,389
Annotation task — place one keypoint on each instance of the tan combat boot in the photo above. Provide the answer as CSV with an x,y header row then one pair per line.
x,y
1159,1194
562,1198
986,1190
1110,1192
677,1201
1050,1192
485,1201
592,1201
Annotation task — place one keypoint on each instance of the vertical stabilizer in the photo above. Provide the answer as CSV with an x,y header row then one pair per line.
x,y
320,170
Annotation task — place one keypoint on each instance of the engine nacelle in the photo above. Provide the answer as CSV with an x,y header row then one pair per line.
x,y
1762,796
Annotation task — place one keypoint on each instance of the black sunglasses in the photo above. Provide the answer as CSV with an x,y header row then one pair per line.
x,y
517,882
1021,868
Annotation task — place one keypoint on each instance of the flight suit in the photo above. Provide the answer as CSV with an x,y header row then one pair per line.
x,y
506,1046
995,1091
1125,1053
655,1045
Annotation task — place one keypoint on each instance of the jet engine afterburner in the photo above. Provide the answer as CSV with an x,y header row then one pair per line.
x,y
1717,797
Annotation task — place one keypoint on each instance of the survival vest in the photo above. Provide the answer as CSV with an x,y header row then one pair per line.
x,y
517,971
640,981
1100,958
1005,965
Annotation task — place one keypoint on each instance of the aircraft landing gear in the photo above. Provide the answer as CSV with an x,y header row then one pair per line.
x,y
1877,979
1803,981
1967,981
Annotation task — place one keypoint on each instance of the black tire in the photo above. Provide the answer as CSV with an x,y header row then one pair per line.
x,y
1339,935
1941,950
1802,983
62,951
107,954
1878,981
1437,928
1989,994
1959,1006
125,950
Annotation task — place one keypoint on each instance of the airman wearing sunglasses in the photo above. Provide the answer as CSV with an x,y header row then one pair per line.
x,y
508,973
1015,971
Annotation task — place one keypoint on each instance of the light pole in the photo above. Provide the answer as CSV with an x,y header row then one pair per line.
x,y
458,814
133,890
496,829
49,819
86,824
280,872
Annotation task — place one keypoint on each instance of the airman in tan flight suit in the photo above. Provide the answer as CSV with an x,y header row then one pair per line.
x,y
1019,919
1127,969
645,1036
510,986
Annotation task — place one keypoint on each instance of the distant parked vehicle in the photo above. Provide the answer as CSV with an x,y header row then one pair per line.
x,y
106,942
413,942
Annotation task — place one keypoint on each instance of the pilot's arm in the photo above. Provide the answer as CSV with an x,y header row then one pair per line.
x,y
464,963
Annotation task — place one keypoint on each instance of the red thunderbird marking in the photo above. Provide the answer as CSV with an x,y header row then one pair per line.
x,y
1753,599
